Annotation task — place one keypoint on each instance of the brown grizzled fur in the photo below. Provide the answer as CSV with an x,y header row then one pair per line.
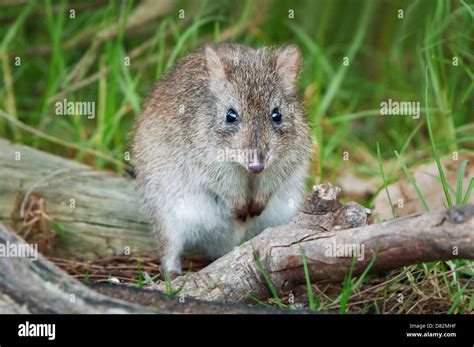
x,y
208,183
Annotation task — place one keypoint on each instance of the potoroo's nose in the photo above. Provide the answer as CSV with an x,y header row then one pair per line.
x,y
256,165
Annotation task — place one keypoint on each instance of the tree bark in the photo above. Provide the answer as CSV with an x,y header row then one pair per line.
x,y
97,212
440,235
38,286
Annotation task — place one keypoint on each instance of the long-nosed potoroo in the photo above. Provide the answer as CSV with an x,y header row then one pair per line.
x,y
222,149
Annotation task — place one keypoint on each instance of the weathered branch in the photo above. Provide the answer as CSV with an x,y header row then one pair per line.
x,y
439,235
98,213
38,286
29,285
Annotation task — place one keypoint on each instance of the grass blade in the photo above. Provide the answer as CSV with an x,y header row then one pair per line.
x,y
459,182
444,183
412,181
468,192
267,279
457,299
311,299
379,159
347,288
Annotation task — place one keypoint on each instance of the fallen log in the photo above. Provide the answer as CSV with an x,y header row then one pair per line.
x,y
276,255
38,286
96,212
35,285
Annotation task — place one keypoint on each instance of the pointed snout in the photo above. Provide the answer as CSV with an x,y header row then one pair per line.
x,y
256,167
256,163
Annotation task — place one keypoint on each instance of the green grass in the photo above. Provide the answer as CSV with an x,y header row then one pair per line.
x,y
409,59
457,299
444,183
384,179
140,275
169,285
86,277
462,170
269,282
412,181
467,196
79,66
348,286
311,298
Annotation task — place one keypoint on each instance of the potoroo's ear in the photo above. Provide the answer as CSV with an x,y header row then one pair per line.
x,y
288,64
216,69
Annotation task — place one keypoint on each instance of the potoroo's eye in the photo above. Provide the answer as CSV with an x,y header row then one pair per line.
x,y
231,116
276,115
